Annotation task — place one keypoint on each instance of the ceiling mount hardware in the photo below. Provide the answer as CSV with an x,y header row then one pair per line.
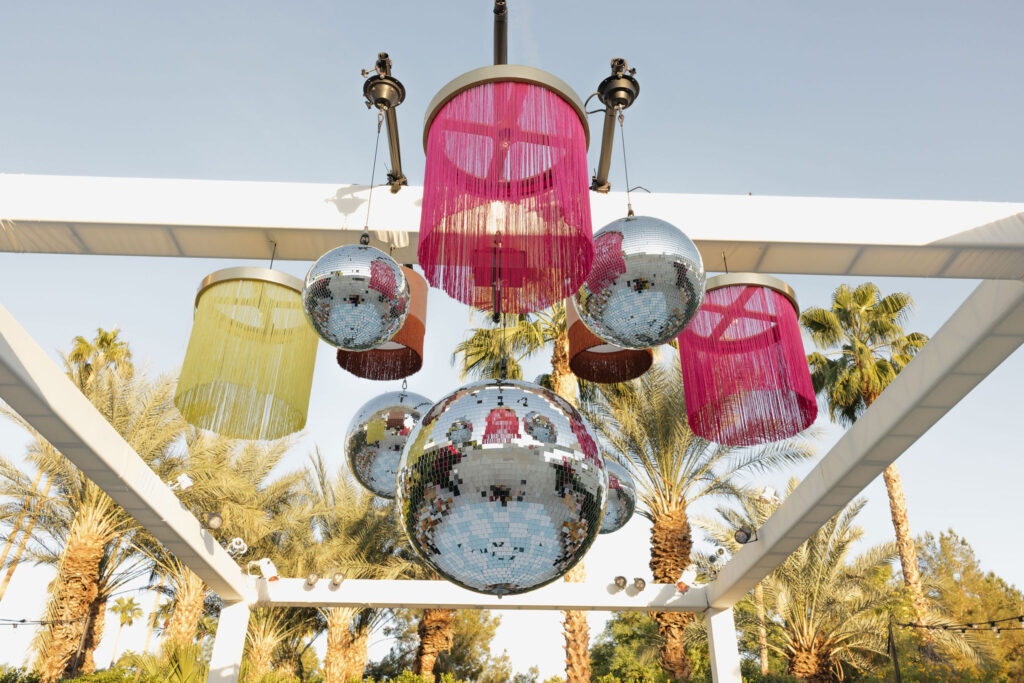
x,y
616,92
385,92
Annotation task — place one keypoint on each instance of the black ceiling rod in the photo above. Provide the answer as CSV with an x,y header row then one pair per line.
x,y
500,32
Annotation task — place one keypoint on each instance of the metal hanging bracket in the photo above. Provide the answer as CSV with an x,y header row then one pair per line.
x,y
500,32
617,93
385,92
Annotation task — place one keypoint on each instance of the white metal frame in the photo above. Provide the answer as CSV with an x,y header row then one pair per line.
x,y
760,234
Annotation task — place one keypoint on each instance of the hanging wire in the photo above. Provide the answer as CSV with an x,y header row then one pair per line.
x,y
986,624
364,239
273,253
625,162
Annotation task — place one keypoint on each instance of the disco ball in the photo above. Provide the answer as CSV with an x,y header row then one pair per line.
x,y
356,297
621,498
376,437
501,487
646,283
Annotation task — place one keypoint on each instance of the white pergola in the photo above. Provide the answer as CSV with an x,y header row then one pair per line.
x,y
225,220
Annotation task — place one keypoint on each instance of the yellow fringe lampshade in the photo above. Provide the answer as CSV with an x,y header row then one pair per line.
x,y
248,369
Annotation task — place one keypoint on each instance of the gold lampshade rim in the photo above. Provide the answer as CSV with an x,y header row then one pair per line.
x,y
249,273
494,73
753,280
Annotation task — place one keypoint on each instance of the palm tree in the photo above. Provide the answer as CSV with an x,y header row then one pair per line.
x,y
518,337
127,611
865,347
358,536
643,428
80,530
105,350
233,478
829,611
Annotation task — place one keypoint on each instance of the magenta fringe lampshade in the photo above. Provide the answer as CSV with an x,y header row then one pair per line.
x,y
506,208
744,370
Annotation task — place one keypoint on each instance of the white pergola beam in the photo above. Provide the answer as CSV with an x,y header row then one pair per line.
x,y
229,643
980,335
559,595
229,220
723,647
41,393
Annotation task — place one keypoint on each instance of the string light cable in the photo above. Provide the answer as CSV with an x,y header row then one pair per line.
x,y
989,624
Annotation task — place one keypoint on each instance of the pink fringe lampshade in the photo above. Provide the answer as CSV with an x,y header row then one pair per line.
x,y
744,370
506,205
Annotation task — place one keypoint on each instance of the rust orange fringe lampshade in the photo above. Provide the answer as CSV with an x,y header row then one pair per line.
x,y
506,207
745,374
403,355
248,368
595,360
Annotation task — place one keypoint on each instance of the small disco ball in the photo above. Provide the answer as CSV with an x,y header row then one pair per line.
x,y
356,297
501,487
646,283
621,498
377,435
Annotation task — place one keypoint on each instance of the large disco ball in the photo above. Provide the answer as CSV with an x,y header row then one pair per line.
x,y
646,283
376,437
621,498
501,487
356,297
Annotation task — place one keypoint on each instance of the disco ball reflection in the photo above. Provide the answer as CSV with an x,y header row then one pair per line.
x,y
501,487
646,283
356,297
621,498
376,437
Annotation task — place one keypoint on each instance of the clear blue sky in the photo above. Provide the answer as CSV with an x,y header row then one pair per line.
x,y
870,99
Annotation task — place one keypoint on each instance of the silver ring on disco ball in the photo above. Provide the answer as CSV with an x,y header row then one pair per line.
x,y
621,497
376,437
501,487
646,283
356,297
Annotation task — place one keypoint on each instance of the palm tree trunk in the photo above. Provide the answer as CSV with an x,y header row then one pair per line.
x,y
562,379
762,631
188,609
21,545
807,666
261,658
577,635
671,542
75,591
338,637
117,637
97,620
355,657
435,631
905,543
152,616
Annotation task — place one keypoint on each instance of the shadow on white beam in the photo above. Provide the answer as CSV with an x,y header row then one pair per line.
x,y
444,595
41,393
980,335
230,219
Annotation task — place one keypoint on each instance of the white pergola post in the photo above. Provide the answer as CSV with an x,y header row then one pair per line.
x,y
229,643
722,646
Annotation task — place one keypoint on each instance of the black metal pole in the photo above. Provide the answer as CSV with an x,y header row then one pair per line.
x,y
892,653
500,32
395,177
599,183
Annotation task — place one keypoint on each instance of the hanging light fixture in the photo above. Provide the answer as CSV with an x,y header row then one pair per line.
x,y
595,360
403,354
744,370
248,368
506,221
